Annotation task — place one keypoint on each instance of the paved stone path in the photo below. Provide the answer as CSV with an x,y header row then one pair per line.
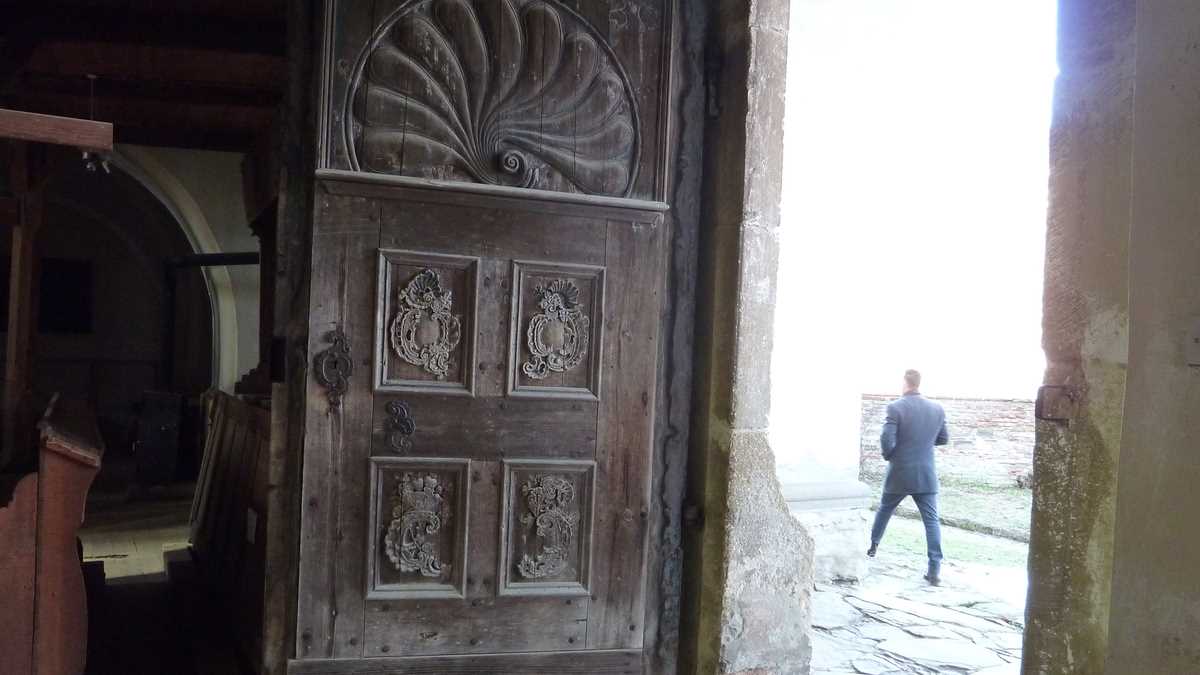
x,y
893,622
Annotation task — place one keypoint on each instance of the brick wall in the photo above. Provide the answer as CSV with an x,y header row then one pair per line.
x,y
991,441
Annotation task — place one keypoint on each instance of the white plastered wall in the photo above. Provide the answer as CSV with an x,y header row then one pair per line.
x,y
203,190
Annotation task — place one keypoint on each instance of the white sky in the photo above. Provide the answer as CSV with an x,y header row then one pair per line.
x,y
914,202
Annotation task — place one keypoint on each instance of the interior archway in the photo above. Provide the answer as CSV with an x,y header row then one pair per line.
x,y
115,317
189,216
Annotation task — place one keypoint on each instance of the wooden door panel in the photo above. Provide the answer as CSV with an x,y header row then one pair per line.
x,y
556,304
499,229
479,626
614,662
499,427
546,523
485,303
335,478
426,322
496,500
417,537
623,460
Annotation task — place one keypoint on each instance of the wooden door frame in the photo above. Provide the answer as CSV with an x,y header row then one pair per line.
x,y
289,359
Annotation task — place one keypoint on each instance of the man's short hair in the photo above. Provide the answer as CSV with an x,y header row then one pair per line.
x,y
912,378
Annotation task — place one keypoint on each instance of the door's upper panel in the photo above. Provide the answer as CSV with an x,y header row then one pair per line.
x,y
559,95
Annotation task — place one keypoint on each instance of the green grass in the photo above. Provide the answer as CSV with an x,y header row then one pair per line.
x,y
979,505
908,536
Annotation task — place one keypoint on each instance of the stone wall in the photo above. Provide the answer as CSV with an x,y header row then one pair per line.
x,y
991,440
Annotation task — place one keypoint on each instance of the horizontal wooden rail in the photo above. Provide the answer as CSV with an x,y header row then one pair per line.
x,y
27,126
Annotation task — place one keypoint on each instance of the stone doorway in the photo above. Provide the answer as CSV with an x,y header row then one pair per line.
x,y
913,272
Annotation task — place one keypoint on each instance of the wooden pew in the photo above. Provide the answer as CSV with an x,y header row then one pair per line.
x,y
43,606
228,516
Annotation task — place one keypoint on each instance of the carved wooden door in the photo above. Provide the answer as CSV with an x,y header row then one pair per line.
x,y
484,321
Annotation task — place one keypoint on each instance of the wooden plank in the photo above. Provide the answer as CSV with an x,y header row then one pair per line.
x,y
347,25
212,403
226,482
407,188
231,560
139,24
202,502
27,126
492,327
293,245
244,580
10,210
357,301
280,529
18,531
482,625
568,663
231,434
249,589
70,459
499,426
19,354
483,535
643,49
626,436
241,487
494,231
332,545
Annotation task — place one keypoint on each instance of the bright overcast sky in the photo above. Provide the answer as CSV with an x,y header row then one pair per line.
x,y
915,196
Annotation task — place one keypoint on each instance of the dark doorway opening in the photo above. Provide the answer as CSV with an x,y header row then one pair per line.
x,y
122,315
118,327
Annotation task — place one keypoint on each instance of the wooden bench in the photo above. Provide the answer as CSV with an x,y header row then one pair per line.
x,y
43,606
228,516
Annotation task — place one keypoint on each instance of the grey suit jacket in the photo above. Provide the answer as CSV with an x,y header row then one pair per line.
x,y
914,425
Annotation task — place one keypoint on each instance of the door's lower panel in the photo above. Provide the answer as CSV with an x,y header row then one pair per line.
x,y
625,662
479,626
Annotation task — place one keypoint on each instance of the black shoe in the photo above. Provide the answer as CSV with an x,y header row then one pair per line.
x,y
933,579
871,551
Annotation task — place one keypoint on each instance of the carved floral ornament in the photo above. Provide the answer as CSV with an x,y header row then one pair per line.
x,y
522,93
400,427
420,509
423,331
551,508
557,337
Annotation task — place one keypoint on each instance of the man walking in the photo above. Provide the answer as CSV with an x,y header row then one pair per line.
x,y
914,425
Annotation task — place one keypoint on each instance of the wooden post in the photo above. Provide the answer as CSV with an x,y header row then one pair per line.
x,y
19,352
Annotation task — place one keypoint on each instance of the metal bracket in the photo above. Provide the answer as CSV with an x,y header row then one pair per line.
x,y
1056,403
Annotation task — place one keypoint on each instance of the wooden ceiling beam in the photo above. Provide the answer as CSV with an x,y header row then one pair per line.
x,y
197,127
129,91
109,62
178,29
80,133
10,211
192,138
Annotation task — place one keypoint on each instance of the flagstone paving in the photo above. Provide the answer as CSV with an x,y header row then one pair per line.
x,y
893,623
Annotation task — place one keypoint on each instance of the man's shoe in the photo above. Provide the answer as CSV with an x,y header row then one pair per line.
x,y
871,551
933,579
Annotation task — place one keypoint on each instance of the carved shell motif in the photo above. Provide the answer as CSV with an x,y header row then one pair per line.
x,y
520,93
